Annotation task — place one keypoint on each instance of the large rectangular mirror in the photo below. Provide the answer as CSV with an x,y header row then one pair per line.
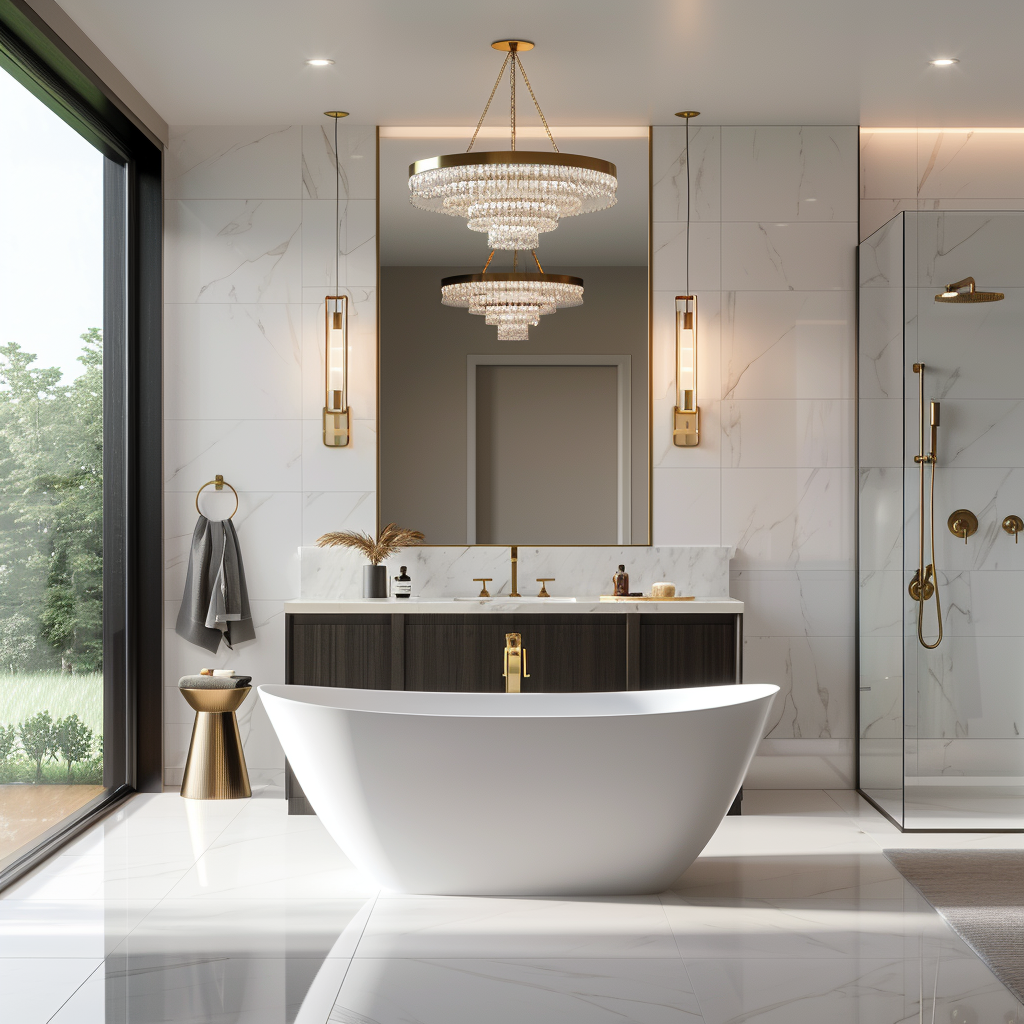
x,y
542,441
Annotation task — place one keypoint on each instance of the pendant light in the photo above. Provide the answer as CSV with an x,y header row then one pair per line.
x,y
514,196
512,302
686,415
337,415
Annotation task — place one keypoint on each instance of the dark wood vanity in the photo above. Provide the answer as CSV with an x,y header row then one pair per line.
x,y
610,650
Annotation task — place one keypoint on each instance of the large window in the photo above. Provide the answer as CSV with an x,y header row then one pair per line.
x,y
79,449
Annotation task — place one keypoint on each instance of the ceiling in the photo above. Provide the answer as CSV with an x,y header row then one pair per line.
x,y
597,62
615,237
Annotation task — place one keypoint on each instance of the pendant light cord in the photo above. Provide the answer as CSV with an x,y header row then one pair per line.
x,y
687,206
337,216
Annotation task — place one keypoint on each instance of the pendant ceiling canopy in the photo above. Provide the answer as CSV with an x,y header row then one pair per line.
x,y
515,196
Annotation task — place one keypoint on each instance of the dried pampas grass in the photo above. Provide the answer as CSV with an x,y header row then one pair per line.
x,y
391,540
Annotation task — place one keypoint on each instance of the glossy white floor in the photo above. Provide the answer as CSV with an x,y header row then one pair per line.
x,y
233,912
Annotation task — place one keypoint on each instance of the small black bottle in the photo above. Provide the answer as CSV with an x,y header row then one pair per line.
x,y
403,584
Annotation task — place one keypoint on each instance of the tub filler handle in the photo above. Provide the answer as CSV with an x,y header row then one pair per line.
x,y
514,663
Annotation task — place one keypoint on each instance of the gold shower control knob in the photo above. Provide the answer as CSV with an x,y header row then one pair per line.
x,y
1013,525
962,523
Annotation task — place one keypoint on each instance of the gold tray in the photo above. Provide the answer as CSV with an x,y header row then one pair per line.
x,y
608,597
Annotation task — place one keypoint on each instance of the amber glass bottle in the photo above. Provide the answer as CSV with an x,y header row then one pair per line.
x,y
620,583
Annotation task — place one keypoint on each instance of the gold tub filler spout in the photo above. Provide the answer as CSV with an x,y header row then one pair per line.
x,y
515,663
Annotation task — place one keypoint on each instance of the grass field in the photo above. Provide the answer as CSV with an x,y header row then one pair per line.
x,y
21,696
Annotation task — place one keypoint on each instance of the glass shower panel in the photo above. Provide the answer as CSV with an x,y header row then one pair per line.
x,y
942,712
964,753
880,515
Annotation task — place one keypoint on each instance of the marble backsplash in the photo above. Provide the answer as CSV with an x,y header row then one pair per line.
x,y
336,573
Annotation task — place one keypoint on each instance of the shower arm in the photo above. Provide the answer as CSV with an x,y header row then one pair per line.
x,y
926,580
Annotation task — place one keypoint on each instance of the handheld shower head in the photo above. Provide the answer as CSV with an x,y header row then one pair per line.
x,y
966,291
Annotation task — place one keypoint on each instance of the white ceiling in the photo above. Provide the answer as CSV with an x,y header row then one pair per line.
x,y
596,62
415,238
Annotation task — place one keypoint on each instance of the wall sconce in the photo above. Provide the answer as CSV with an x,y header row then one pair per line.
x,y
686,416
337,423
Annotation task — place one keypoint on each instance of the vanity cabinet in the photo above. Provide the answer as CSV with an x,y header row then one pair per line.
x,y
464,652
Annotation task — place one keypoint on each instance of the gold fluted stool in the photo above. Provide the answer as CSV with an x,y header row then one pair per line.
x,y
215,769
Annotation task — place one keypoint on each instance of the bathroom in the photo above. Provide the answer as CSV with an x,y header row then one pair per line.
x,y
771,207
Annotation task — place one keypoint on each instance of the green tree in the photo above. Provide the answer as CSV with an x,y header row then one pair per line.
x,y
17,641
73,740
51,505
38,739
7,740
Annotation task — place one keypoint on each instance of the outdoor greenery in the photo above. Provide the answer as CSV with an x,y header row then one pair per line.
x,y
51,567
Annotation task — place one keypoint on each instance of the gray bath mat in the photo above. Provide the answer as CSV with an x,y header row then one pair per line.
x,y
981,894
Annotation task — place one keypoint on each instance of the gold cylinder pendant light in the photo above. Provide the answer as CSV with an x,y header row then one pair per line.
x,y
514,196
337,414
686,415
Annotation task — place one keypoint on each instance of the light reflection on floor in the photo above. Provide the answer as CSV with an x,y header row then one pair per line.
x,y
232,911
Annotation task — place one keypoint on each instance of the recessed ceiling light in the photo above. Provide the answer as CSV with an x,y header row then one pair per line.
x,y
319,62
943,62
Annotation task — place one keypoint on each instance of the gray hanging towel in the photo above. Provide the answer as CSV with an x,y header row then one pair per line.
x,y
215,605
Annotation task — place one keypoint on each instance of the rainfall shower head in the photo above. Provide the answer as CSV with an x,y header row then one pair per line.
x,y
965,291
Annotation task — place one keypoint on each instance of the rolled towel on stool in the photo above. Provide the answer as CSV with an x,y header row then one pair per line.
x,y
213,682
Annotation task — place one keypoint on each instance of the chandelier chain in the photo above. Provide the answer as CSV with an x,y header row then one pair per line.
x,y
487,106
488,263
512,79
537,261
543,119
515,260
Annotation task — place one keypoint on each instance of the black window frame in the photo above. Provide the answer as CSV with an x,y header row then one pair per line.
x,y
132,414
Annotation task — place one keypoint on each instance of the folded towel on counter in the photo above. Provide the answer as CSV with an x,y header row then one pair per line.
x,y
215,605
213,682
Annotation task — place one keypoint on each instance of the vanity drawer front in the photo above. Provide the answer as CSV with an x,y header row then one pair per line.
x,y
573,654
355,651
447,652
689,650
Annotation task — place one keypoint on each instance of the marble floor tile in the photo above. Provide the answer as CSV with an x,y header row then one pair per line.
x,y
470,927
33,989
562,991
77,929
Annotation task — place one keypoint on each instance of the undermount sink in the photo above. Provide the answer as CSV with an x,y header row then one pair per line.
x,y
505,599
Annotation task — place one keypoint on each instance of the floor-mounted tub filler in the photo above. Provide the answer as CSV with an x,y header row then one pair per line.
x,y
530,794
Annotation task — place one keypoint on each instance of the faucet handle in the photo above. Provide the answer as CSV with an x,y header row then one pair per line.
x,y
1013,525
483,581
543,580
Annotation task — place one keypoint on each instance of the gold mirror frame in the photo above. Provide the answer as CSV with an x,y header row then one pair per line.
x,y
650,360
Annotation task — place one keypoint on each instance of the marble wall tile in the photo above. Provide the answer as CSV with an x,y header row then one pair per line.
x,y
987,246
802,764
358,170
971,756
669,271
788,344
225,161
352,468
884,603
976,165
232,250
788,256
796,602
881,432
787,433
888,164
357,232
876,213
668,172
326,511
789,173
687,506
232,361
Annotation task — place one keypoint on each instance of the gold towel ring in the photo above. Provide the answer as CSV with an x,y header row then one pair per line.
x,y
220,483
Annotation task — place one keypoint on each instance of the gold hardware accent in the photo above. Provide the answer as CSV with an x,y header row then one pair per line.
x,y
1013,525
517,156
917,589
215,769
508,45
543,581
335,113
922,588
686,414
688,114
337,421
515,572
515,663
956,293
483,581
219,484
521,276
963,523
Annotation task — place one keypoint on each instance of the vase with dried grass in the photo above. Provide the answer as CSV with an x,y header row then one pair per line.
x,y
392,539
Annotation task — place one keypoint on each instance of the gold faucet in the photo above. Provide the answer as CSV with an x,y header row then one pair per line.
x,y
515,572
515,663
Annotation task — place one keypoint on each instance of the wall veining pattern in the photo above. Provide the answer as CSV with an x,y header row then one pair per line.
x,y
772,239
249,258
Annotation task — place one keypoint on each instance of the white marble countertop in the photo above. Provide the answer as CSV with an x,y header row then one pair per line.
x,y
506,605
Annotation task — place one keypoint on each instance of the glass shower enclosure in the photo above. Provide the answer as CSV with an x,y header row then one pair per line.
x,y
940,409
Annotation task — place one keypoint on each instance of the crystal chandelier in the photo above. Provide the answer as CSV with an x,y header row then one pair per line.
x,y
512,302
513,196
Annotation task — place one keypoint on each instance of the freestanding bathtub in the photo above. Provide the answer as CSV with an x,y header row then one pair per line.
x,y
528,794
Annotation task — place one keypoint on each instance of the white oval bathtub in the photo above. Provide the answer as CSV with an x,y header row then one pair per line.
x,y
528,794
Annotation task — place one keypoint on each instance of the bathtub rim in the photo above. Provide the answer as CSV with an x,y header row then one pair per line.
x,y
638,703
